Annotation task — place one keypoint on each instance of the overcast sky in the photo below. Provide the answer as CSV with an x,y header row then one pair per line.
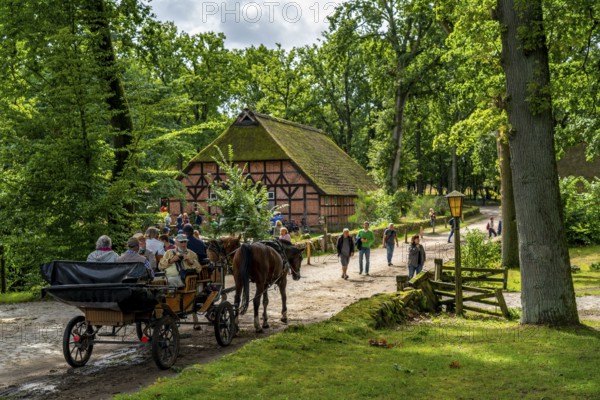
x,y
246,23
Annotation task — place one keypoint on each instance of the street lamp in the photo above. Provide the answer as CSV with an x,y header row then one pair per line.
x,y
455,202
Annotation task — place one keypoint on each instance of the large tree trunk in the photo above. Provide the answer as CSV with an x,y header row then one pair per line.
x,y
397,136
510,238
547,294
120,120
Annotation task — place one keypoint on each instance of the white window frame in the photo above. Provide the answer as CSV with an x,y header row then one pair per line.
x,y
271,196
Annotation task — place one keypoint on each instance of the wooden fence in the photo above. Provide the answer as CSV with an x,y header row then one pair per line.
x,y
444,289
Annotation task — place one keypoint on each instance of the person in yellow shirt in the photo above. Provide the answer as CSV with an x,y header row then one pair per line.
x,y
179,259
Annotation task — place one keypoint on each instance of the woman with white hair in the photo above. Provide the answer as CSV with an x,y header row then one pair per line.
x,y
345,250
103,252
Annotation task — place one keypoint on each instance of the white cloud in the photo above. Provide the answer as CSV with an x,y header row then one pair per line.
x,y
251,22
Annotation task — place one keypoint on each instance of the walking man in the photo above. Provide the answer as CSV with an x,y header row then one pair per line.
x,y
452,224
389,238
490,228
367,238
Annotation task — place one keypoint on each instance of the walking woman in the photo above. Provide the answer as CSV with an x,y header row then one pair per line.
x,y
416,257
345,250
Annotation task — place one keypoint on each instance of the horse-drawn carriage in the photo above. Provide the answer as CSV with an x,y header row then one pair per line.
x,y
118,295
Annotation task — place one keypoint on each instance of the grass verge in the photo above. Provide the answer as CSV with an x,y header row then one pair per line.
x,y
18,297
586,282
442,358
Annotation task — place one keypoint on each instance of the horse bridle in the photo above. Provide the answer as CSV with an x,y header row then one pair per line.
x,y
216,246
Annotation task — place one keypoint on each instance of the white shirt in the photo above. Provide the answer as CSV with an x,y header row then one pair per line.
x,y
155,246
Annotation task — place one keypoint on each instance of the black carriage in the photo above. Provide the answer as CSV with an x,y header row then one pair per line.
x,y
121,294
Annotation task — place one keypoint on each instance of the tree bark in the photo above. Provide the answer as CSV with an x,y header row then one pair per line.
x,y
120,120
397,135
510,238
547,293
419,160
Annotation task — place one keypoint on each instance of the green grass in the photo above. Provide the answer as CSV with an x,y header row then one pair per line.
x,y
18,297
586,282
333,360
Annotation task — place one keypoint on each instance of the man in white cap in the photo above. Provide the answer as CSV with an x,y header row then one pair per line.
x,y
178,259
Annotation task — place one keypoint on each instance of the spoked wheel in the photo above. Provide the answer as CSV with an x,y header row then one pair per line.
x,y
225,328
143,329
165,343
78,342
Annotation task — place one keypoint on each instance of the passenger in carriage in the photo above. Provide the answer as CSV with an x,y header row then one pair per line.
x,y
132,255
194,244
103,252
144,251
179,259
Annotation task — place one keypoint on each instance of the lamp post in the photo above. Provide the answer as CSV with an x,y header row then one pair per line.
x,y
455,201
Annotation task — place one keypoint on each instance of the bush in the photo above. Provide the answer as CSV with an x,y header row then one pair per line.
x,y
421,205
378,206
478,252
595,267
581,202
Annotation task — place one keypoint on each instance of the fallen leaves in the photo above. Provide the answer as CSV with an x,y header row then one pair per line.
x,y
454,364
382,342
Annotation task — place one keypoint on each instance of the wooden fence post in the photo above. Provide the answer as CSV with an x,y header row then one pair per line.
x,y
438,269
406,234
505,283
308,245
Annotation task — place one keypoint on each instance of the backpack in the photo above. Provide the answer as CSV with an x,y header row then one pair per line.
x,y
487,226
358,243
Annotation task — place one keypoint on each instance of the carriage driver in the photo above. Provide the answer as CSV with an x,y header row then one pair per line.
x,y
178,259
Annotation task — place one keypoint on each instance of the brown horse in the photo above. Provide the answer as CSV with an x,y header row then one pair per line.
x,y
263,265
221,250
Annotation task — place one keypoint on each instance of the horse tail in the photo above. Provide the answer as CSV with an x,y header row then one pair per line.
x,y
245,264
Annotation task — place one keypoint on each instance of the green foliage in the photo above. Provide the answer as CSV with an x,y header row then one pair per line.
x,y
595,267
478,252
243,204
421,205
581,202
379,206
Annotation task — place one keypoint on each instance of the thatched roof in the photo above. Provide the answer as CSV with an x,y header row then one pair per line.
x,y
260,137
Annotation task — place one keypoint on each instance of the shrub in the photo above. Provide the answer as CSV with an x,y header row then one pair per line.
x,y
478,252
581,202
421,205
595,267
378,206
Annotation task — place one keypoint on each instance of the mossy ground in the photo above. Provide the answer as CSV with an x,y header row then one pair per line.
x,y
437,358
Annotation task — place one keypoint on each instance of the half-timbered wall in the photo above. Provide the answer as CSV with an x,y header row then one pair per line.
x,y
282,178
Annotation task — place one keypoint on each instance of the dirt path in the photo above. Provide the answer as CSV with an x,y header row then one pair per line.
x,y
32,364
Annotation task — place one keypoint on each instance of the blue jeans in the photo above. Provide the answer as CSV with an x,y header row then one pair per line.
x,y
451,233
412,270
390,251
367,253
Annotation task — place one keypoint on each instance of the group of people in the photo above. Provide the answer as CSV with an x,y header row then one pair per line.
x,y
181,220
158,252
365,239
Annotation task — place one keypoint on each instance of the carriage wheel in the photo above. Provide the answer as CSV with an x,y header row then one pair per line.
x,y
78,342
225,328
165,343
143,329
